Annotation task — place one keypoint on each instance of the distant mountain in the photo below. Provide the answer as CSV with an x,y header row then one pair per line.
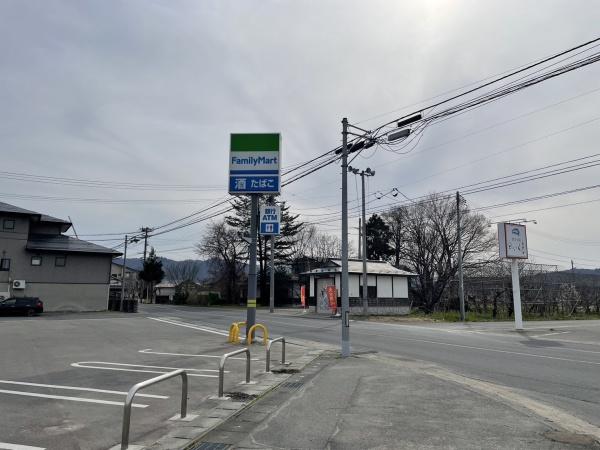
x,y
203,270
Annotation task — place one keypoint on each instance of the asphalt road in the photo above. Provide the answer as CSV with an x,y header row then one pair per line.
x,y
554,362
63,378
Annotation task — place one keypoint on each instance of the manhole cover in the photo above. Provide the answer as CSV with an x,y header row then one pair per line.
x,y
210,446
240,396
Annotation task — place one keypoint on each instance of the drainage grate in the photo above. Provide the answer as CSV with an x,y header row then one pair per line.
x,y
240,396
293,384
210,446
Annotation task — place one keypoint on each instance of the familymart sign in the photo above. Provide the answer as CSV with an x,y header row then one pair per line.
x,y
254,163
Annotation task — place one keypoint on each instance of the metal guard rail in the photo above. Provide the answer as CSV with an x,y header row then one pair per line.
x,y
131,393
222,366
271,342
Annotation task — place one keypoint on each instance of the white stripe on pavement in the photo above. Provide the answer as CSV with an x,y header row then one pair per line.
x,y
149,350
70,399
126,368
188,325
7,446
73,388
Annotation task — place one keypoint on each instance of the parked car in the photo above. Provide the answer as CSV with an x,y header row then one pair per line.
x,y
29,306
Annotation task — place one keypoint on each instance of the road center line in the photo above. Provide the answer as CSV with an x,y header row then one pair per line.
x,y
70,399
188,325
74,388
7,446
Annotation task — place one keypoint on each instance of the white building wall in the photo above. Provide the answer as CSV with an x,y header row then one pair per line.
x,y
384,287
400,287
354,285
338,284
371,280
311,288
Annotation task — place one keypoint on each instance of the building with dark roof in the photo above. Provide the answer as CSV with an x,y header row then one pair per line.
x,y
38,260
387,287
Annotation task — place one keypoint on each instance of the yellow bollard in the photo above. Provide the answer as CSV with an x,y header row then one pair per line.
x,y
265,333
234,332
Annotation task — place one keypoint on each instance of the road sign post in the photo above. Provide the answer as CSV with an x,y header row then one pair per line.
x,y
512,243
254,169
270,224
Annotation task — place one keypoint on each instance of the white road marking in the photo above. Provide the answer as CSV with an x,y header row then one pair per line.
x,y
533,355
7,446
189,325
73,388
70,399
125,368
149,350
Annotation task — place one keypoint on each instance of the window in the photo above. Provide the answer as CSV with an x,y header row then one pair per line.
x,y
5,264
9,302
60,261
8,224
36,260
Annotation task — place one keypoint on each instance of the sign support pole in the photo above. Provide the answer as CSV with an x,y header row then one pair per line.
x,y
272,274
514,266
251,302
123,273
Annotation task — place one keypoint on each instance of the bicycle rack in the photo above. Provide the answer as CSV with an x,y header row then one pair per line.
x,y
222,366
131,393
271,342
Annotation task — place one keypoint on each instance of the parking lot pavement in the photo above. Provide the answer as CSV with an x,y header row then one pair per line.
x,y
63,382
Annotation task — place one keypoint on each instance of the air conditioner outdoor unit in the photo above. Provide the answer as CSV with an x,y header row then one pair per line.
x,y
18,284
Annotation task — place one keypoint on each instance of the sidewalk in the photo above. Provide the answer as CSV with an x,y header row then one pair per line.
x,y
370,401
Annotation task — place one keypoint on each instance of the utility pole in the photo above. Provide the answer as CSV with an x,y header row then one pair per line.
x,y
365,284
461,292
363,241
123,276
145,230
251,302
359,238
344,287
272,274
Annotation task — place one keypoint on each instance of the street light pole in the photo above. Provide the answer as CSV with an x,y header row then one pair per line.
x,y
461,292
344,287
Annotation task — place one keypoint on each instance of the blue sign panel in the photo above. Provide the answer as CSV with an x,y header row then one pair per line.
x,y
253,183
269,228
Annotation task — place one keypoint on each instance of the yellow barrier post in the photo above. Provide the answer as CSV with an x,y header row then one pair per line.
x,y
234,332
265,333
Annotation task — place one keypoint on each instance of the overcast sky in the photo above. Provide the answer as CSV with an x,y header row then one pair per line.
x,y
149,91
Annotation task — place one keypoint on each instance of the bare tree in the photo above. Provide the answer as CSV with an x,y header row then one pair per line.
x,y
430,246
181,271
396,220
222,245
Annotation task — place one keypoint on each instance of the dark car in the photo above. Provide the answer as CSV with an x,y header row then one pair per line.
x,y
28,306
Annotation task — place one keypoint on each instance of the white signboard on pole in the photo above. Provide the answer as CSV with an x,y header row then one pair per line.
x,y
512,244
512,241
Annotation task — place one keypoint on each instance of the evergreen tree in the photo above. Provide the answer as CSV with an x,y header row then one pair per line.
x,y
152,272
284,243
379,237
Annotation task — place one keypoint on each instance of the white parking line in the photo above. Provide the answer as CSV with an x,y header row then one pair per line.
x,y
74,388
149,351
125,368
7,446
70,399
189,325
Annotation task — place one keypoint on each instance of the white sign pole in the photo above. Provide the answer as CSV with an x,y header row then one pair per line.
x,y
514,266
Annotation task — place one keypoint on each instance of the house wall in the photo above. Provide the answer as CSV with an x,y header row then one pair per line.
x,y
82,284
384,287
400,287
